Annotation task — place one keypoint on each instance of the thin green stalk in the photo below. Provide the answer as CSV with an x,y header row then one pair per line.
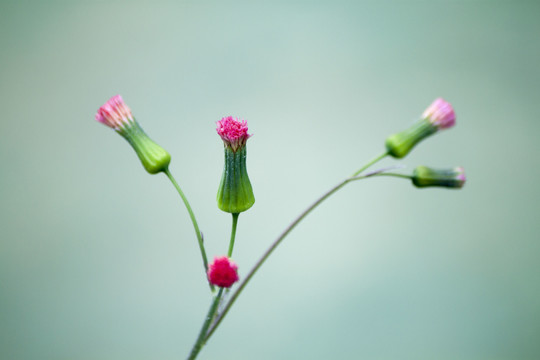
x,y
268,252
194,221
233,233
280,238
381,173
376,159
201,339
395,175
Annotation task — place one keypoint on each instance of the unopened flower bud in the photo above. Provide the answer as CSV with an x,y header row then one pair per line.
x,y
438,116
235,193
424,176
117,115
222,272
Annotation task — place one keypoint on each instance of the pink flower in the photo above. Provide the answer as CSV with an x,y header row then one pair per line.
x,y
233,132
115,113
460,174
441,114
223,272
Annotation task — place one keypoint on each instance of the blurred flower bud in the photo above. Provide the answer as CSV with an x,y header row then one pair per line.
x,y
222,272
235,193
116,115
438,116
424,176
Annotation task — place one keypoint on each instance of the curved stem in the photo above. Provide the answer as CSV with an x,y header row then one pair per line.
x,y
194,221
395,175
233,233
380,173
201,339
376,159
280,238
269,251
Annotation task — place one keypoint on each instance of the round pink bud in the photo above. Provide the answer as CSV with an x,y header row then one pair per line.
x,y
441,114
115,113
223,272
233,132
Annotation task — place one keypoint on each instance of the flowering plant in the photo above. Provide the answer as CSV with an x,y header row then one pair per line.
x,y
235,193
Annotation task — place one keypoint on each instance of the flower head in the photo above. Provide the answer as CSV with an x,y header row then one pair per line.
x,y
233,132
223,272
235,193
115,113
441,114
424,176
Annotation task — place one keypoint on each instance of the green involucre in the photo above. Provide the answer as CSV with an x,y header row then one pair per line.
x,y
235,193
424,176
400,144
154,158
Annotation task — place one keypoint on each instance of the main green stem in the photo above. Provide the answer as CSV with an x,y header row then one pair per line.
x,y
194,221
280,238
233,233
201,340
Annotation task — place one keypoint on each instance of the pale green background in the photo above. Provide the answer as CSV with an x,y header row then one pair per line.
x,y
98,260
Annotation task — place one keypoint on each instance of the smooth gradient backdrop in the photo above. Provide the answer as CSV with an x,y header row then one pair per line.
x,y
98,260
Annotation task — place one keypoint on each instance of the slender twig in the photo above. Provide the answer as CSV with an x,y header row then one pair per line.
x,y
233,233
376,159
267,253
382,170
194,221
280,238
395,175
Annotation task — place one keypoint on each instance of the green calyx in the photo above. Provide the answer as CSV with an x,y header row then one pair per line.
x,y
424,176
400,144
235,194
154,158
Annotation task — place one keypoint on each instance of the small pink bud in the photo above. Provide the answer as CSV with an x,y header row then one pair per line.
x,y
115,113
223,272
233,132
424,176
461,174
441,114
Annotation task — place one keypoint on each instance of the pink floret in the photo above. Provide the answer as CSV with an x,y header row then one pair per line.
x,y
461,174
114,113
223,272
233,132
441,114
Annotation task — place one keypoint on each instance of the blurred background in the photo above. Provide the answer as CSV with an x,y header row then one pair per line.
x,y
98,260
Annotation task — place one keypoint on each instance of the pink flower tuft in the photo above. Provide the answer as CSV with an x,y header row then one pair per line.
x,y
223,272
233,132
115,113
441,114
460,174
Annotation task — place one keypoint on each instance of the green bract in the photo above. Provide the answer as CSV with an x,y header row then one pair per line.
x,y
400,144
424,176
235,194
154,158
